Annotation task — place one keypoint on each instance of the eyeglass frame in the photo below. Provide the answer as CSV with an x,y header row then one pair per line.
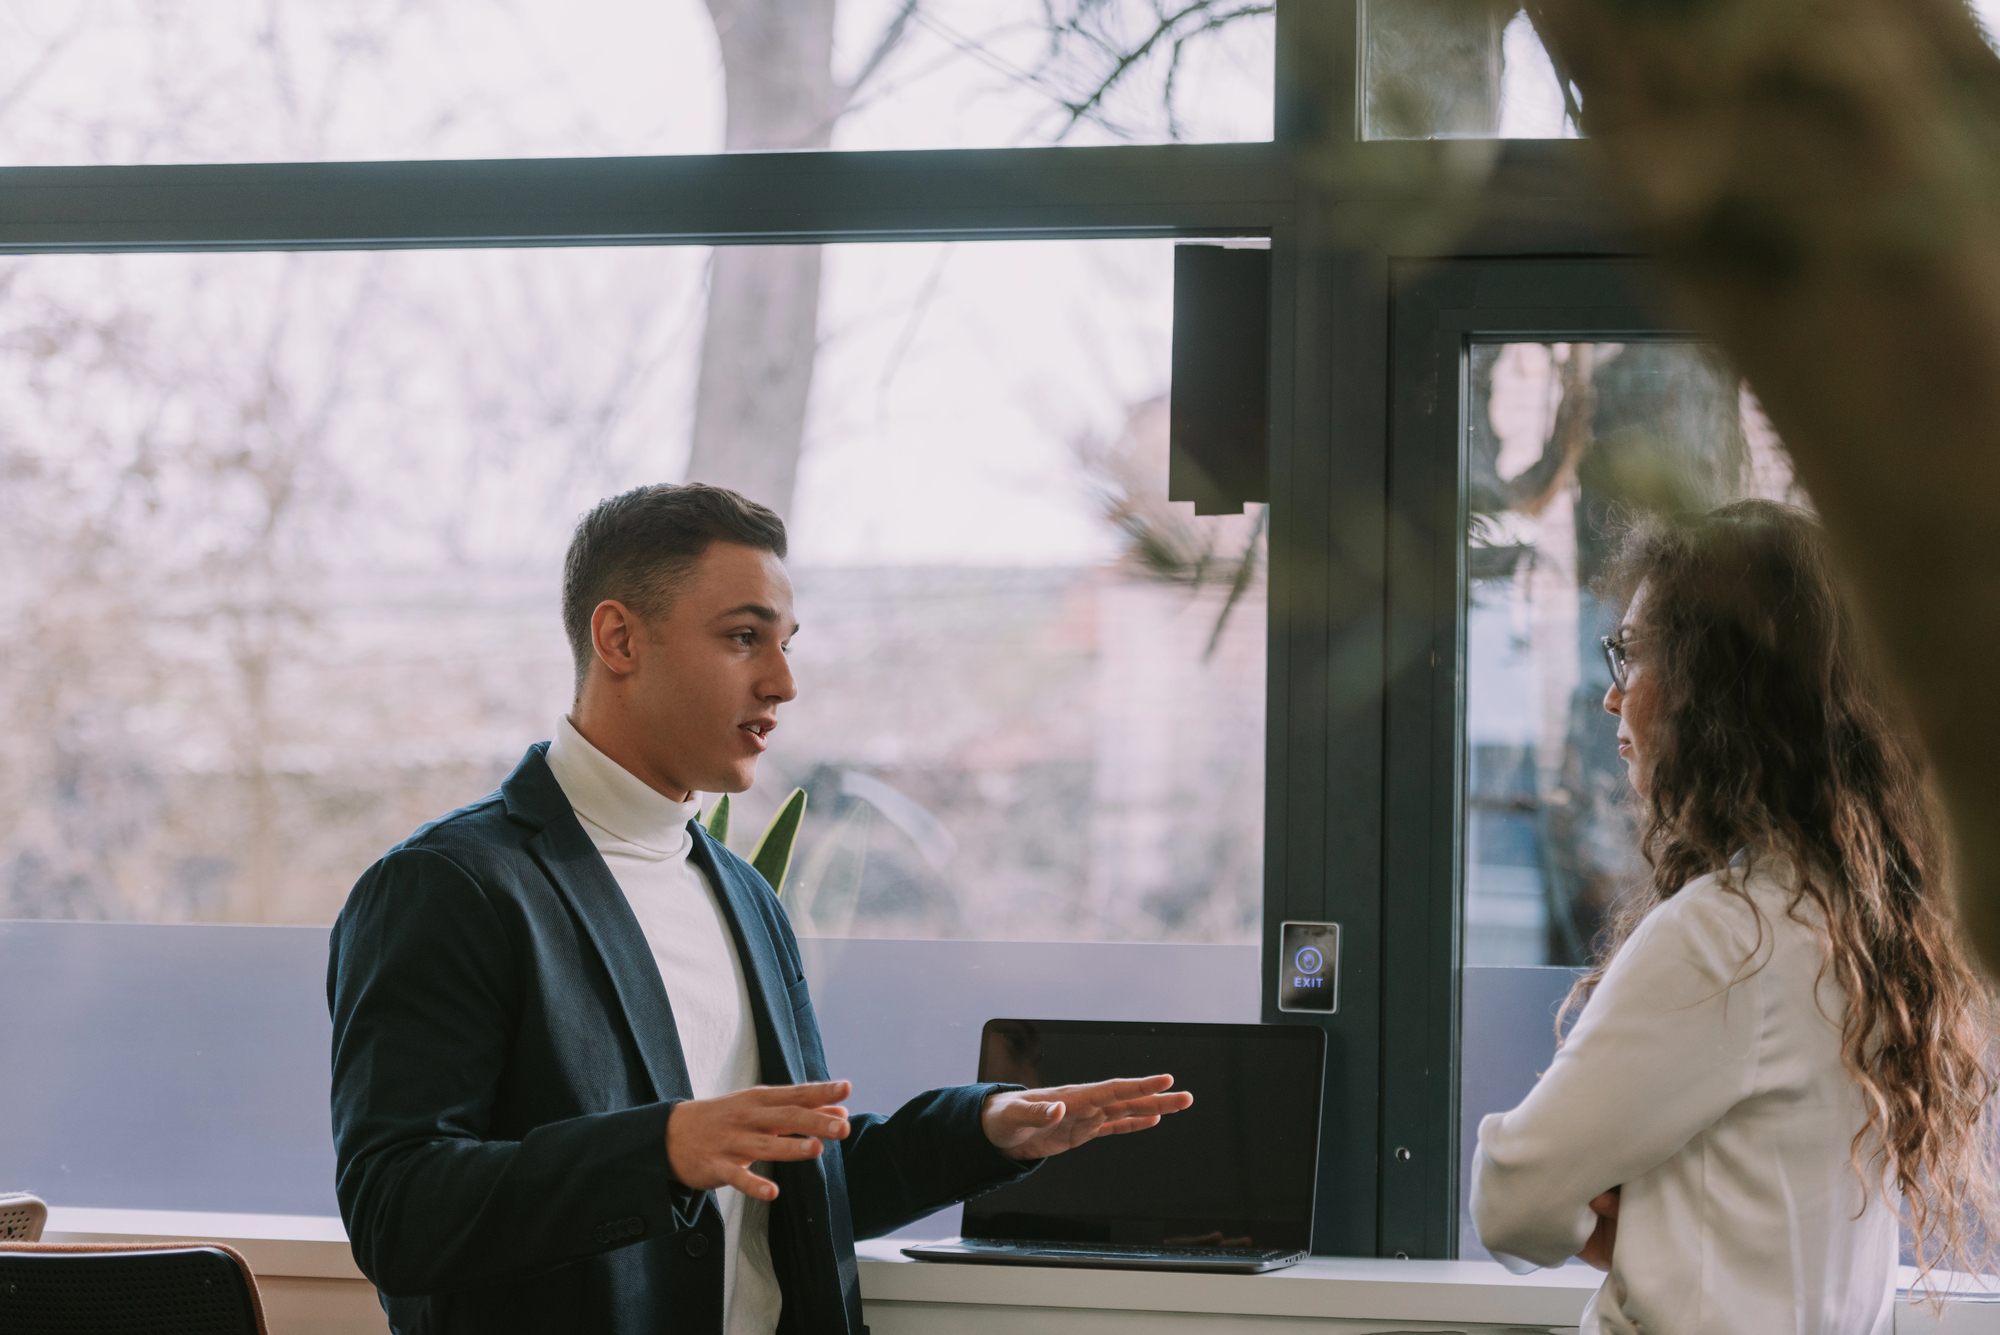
x,y
1616,659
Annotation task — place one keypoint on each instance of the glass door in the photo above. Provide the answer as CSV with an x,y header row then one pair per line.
x,y
1541,406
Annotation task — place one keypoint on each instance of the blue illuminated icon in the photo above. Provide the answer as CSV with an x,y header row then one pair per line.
x,y
1309,960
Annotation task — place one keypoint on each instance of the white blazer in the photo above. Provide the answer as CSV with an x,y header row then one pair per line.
x,y
1704,1076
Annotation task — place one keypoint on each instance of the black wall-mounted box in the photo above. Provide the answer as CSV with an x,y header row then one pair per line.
x,y
1309,967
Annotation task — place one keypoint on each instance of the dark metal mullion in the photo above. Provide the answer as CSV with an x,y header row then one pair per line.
x,y
1537,199
1326,771
1419,1012
1318,72
1357,288
712,199
1284,639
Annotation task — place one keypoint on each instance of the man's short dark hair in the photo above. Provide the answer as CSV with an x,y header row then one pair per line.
x,y
640,548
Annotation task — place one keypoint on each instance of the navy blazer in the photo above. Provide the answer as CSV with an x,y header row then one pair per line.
x,y
504,1060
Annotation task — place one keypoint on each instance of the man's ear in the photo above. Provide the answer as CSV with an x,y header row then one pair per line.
x,y
615,635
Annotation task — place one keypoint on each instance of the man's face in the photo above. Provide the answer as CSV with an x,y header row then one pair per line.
x,y
710,675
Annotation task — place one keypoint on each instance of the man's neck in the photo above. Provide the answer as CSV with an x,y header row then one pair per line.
x,y
613,740
613,801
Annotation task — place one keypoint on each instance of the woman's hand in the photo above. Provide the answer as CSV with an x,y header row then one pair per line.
x,y
1597,1252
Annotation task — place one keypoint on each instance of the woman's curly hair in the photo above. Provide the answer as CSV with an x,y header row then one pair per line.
x,y
1773,733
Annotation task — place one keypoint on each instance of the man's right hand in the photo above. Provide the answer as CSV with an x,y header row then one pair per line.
x,y
712,1142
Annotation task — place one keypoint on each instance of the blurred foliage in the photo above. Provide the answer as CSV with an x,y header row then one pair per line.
x,y
1165,540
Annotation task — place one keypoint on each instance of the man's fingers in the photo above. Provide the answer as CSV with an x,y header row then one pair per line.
x,y
1106,1092
803,1096
1124,1124
789,1149
747,1182
823,1123
1151,1105
1109,1091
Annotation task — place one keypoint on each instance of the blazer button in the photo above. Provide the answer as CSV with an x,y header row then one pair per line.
x,y
696,1244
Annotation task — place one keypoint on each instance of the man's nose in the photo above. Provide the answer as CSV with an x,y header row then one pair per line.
x,y
780,685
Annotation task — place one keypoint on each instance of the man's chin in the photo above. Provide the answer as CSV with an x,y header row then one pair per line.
x,y
734,781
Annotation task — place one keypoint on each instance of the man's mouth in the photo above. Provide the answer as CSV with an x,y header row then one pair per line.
x,y
760,731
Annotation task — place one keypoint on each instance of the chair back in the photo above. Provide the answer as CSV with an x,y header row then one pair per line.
x,y
21,1217
127,1289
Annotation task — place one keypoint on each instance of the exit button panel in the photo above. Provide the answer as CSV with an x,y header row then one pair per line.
x,y
1309,967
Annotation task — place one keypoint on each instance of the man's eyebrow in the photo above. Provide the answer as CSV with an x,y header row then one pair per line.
x,y
768,616
758,610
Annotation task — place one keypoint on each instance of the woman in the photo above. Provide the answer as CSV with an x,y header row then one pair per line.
x,y
1785,1039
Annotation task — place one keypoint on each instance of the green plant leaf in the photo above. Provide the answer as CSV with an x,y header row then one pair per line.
x,y
716,822
773,855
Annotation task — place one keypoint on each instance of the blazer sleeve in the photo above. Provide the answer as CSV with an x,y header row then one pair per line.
x,y
1666,1045
928,1154
423,988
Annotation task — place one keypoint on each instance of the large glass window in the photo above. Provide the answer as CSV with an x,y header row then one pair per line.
x,y
286,535
288,532
129,81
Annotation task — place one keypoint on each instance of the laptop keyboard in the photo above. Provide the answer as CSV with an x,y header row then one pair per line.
x,y
1124,1251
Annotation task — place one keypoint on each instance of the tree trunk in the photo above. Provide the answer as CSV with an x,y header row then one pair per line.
x,y
762,328
1822,181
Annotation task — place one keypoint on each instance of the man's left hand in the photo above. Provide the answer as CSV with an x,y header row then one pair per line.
x,y
1036,1123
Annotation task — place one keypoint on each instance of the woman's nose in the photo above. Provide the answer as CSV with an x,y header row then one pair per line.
x,y
1613,698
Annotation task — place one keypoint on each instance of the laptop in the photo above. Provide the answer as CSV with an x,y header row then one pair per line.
x,y
1226,1185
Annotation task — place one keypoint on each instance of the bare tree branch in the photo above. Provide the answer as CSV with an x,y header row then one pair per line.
x,y
891,37
1174,29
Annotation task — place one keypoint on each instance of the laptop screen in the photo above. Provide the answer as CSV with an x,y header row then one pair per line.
x,y
1235,1169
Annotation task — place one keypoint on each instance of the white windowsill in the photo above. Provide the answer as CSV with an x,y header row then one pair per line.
x,y
294,1245
1324,1286
1480,1292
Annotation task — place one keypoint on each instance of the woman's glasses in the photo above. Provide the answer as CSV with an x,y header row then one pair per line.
x,y
1618,656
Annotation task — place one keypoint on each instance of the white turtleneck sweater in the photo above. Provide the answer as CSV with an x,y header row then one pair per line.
x,y
644,839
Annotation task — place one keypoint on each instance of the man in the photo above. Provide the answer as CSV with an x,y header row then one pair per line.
x,y
577,1079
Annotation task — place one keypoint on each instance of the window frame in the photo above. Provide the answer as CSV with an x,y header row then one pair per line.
x,y
1352,758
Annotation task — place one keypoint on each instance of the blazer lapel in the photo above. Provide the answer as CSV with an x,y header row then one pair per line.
x,y
576,869
770,989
